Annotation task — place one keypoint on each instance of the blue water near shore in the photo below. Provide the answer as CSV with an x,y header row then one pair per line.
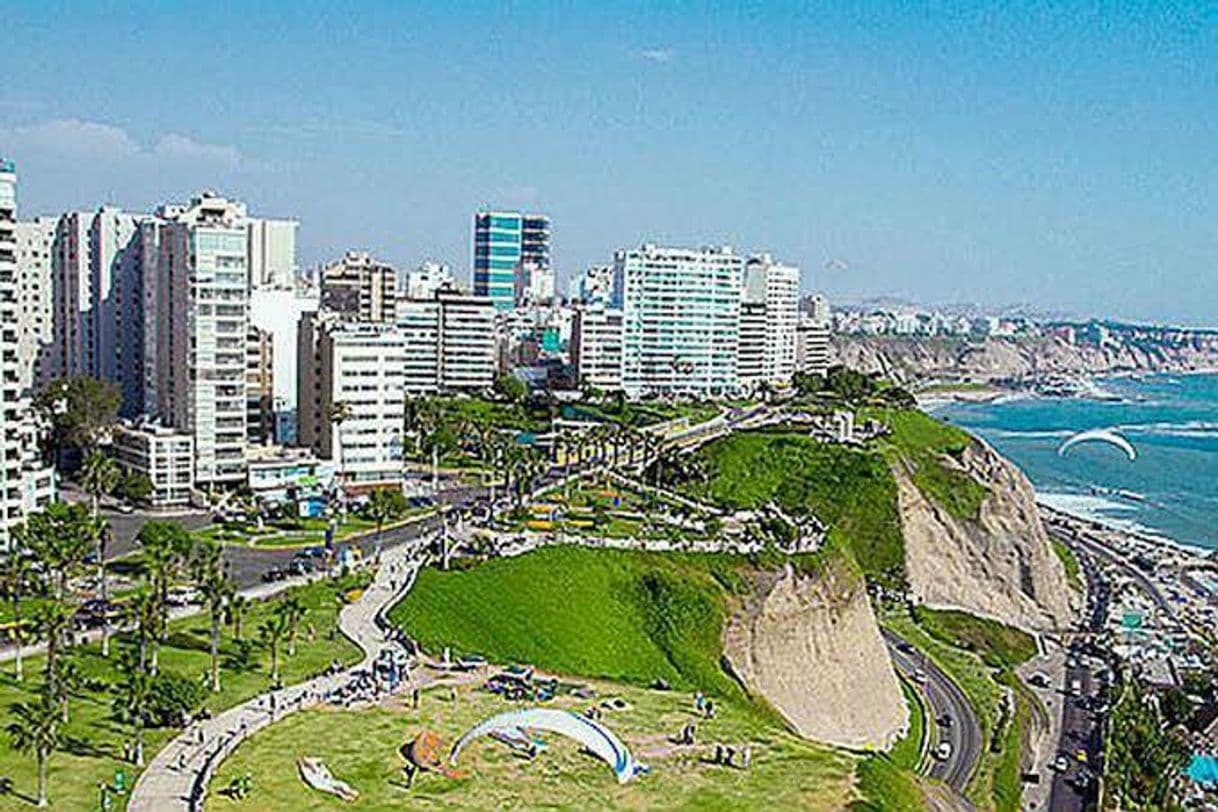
x,y
1170,490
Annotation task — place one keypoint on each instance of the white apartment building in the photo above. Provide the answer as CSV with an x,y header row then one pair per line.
x,y
25,484
680,320
768,317
278,312
594,286
163,455
272,254
360,372
467,342
596,347
419,323
201,354
812,350
36,330
424,281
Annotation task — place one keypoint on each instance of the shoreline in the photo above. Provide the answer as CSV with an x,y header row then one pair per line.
x,y
1147,541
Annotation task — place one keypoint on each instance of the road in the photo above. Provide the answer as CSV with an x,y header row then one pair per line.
x,y
1081,729
945,700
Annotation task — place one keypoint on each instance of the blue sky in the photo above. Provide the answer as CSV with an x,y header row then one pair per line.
x,y
1033,153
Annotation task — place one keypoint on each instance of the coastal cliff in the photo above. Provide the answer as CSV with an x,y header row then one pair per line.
x,y
999,564
907,359
810,645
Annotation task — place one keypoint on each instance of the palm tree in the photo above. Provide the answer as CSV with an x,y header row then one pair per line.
x,y
99,474
383,505
167,549
35,729
144,612
131,702
272,631
14,572
53,620
293,612
100,529
235,613
340,412
68,680
61,537
215,586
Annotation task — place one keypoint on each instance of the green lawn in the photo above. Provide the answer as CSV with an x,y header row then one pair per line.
x,y
999,645
624,615
362,748
907,752
887,787
92,744
851,490
924,443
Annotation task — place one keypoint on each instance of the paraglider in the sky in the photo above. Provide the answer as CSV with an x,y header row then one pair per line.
x,y
1109,436
594,736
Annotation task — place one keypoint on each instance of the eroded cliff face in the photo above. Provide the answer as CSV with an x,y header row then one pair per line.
x,y
1001,565
811,647
905,359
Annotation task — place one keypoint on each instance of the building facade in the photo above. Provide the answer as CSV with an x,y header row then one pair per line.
x,y
201,355
510,247
163,455
259,386
680,320
596,347
35,296
26,484
769,312
359,287
272,254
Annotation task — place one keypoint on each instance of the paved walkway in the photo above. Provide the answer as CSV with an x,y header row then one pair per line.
x,y
177,777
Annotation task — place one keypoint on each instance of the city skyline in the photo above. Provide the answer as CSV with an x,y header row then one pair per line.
x,y
971,156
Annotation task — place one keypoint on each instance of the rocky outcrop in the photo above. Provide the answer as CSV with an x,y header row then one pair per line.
x,y
906,359
1001,565
811,647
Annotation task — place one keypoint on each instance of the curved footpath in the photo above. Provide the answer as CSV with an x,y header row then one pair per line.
x,y
177,777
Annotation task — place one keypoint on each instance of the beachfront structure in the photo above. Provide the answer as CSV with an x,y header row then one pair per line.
x,y
680,320
596,347
358,286
35,241
164,455
25,483
768,318
272,254
510,248
202,320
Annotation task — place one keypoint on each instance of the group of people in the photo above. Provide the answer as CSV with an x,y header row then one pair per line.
x,y
724,755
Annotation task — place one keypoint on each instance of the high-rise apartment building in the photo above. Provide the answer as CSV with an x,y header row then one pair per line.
x,y
596,347
359,287
510,248
425,280
680,320
768,316
203,286
272,254
467,342
25,483
35,247
259,385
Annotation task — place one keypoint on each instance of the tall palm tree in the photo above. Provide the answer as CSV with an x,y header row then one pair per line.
x,y
236,612
167,550
100,529
131,703
383,505
14,573
340,412
216,588
35,729
52,622
293,612
272,631
61,537
99,474
144,613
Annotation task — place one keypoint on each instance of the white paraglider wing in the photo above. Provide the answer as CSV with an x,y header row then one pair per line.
x,y
1109,436
594,737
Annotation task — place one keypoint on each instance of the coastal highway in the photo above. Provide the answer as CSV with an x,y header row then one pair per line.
x,y
945,699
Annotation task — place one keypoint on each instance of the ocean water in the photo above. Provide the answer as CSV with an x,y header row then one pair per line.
x,y
1170,490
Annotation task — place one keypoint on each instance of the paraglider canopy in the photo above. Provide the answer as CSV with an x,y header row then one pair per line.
x,y
1109,436
594,736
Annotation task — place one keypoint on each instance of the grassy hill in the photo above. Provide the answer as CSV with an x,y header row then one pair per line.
x,y
629,616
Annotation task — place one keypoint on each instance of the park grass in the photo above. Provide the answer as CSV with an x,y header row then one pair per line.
x,y
624,615
92,742
923,444
361,747
1074,575
885,786
851,490
1008,787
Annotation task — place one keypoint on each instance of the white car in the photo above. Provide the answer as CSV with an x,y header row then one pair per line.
x,y
944,751
1061,764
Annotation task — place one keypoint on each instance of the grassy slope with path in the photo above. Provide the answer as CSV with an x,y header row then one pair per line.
x,y
362,748
92,744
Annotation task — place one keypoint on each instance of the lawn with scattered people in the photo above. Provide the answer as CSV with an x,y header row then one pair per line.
x,y
92,743
361,747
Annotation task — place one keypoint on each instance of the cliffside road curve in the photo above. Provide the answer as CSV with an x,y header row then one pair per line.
x,y
177,777
944,698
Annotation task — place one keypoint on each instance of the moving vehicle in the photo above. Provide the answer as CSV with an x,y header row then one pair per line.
x,y
944,751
